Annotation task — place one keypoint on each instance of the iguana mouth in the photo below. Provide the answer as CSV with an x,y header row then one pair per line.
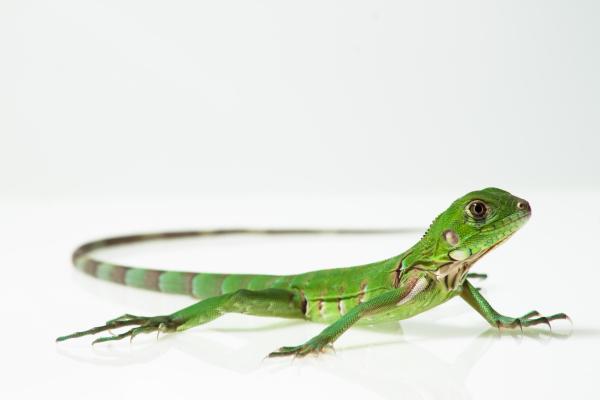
x,y
509,221
492,247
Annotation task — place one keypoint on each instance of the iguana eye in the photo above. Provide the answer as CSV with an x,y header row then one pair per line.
x,y
477,209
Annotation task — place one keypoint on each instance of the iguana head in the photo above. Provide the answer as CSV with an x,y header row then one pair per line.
x,y
473,225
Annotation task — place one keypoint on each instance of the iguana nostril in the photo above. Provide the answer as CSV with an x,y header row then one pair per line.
x,y
523,205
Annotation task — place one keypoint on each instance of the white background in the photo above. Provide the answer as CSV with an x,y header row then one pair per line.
x,y
125,116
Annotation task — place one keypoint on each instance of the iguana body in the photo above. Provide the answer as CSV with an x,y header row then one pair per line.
x,y
431,272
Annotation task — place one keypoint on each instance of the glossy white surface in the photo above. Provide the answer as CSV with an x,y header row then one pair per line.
x,y
447,353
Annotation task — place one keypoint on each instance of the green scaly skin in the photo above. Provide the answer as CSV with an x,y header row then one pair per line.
x,y
431,272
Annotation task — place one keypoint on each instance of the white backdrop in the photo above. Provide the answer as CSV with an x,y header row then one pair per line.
x,y
315,96
125,116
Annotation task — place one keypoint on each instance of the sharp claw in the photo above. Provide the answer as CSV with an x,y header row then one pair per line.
x,y
134,333
330,347
519,324
541,320
547,322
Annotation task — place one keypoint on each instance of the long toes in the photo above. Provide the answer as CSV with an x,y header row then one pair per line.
x,y
124,317
546,320
538,321
314,348
305,350
560,316
557,317
95,330
475,275
115,337
144,325
141,329
530,314
284,351
130,333
530,319
79,334
298,351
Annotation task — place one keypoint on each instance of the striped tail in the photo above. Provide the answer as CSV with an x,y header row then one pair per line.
x,y
195,284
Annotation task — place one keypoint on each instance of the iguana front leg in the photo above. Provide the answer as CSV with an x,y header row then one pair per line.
x,y
472,296
393,298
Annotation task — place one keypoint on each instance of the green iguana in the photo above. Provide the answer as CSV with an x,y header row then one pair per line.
x,y
431,272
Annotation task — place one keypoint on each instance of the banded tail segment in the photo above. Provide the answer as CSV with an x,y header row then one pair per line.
x,y
195,284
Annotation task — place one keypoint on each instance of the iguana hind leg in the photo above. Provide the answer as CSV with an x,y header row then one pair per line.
x,y
472,296
268,302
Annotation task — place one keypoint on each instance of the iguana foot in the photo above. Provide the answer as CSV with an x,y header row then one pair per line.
x,y
163,323
310,347
530,319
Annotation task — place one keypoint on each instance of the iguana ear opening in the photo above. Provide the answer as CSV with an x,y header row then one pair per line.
x,y
451,237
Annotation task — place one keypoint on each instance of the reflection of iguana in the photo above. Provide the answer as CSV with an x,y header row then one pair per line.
x,y
429,273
